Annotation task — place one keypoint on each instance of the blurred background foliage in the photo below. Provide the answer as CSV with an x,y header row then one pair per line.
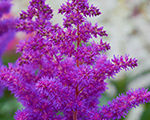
x,y
127,24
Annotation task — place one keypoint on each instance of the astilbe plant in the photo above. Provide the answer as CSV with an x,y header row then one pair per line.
x,y
59,73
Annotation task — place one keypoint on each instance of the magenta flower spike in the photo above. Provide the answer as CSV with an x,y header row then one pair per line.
x,y
7,31
5,6
59,72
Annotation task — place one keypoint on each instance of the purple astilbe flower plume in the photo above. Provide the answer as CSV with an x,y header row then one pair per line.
x,y
7,30
59,73
4,7
121,105
7,26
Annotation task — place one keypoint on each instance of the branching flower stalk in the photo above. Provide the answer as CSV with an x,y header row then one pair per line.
x,y
54,76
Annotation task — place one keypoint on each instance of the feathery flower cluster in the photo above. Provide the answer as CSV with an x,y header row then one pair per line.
x,y
4,7
7,26
7,30
59,73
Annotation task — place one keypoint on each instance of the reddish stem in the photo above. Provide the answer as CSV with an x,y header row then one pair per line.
x,y
77,91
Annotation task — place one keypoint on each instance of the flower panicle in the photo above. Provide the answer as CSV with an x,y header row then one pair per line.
x,y
35,18
120,106
7,31
59,71
5,7
76,11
